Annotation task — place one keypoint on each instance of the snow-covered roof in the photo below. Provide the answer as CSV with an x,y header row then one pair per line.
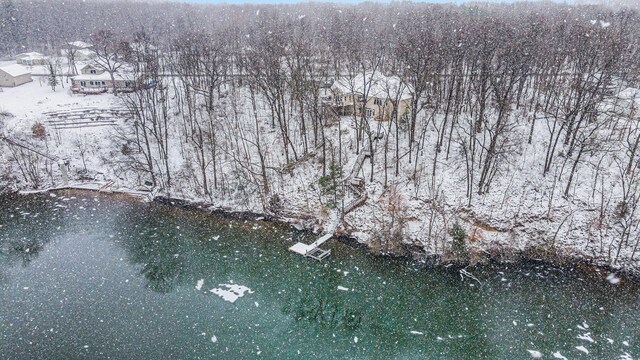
x,y
80,44
86,52
629,94
32,54
15,70
377,84
88,66
102,77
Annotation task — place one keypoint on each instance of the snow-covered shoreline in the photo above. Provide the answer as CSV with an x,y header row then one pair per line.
x,y
501,255
520,221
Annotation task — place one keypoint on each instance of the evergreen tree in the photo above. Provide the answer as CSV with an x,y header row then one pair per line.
x,y
458,235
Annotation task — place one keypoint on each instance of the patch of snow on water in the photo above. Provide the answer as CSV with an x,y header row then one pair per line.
x,y
355,339
343,288
232,292
214,339
416,332
613,279
557,355
199,284
586,337
535,354
626,356
583,349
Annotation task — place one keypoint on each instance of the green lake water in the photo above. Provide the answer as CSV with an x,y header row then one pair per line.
x,y
90,276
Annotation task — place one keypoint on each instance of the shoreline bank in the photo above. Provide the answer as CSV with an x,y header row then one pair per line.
x,y
412,253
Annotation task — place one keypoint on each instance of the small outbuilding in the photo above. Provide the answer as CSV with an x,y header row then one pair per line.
x,y
14,75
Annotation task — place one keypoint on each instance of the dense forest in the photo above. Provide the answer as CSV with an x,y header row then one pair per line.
x,y
522,131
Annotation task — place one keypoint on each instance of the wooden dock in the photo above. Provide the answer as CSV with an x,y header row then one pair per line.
x,y
313,250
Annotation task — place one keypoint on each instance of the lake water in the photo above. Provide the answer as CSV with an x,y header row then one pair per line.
x,y
91,276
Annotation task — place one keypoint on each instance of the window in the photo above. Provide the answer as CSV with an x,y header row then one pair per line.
x,y
92,71
370,112
377,101
361,98
83,83
90,82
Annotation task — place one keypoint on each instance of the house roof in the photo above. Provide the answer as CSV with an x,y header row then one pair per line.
x,y
86,52
80,44
15,70
89,66
32,54
629,94
377,84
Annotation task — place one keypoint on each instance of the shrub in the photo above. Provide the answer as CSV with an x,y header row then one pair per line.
x,y
458,235
38,130
330,185
275,204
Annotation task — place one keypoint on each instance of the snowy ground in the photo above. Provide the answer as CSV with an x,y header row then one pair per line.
x,y
517,217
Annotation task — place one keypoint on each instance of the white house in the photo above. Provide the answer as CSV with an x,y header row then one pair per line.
x,y
31,58
101,82
14,75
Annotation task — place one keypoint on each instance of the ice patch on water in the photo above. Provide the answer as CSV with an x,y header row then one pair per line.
x,y
416,332
232,292
535,354
626,356
355,339
583,349
343,288
557,355
625,343
586,337
613,279
199,284
214,339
